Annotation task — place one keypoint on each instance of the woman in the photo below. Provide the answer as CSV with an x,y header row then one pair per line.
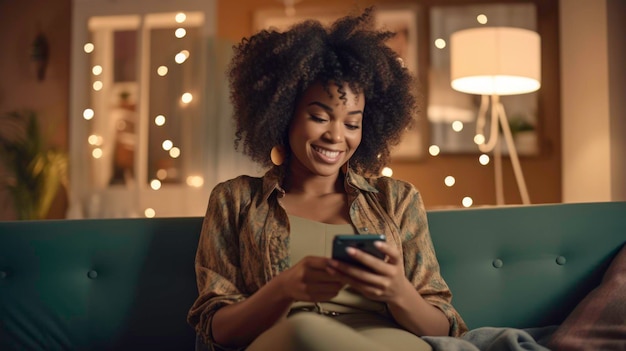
x,y
324,106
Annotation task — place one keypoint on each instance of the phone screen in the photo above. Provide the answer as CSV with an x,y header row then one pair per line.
x,y
363,242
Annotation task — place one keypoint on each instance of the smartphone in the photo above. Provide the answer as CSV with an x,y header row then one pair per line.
x,y
363,242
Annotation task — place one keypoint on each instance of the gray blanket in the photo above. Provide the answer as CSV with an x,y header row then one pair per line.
x,y
494,339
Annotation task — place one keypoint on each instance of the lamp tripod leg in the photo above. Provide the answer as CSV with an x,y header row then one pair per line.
x,y
497,152
517,167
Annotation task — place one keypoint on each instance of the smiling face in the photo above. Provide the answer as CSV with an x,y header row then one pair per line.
x,y
326,130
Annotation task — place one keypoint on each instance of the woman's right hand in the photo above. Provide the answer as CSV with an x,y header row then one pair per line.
x,y
309,281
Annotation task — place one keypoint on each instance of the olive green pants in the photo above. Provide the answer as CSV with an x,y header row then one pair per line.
x,y
309,331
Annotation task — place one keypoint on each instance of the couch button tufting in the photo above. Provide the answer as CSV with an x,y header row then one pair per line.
x,y
92,274
497,263
561,260
3,274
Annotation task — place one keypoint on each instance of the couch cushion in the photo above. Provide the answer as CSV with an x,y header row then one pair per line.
x,y
599,321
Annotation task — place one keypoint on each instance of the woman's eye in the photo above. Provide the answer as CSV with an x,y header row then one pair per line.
x,y
352,127
317,119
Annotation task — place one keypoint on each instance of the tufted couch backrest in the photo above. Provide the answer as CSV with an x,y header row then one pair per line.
x,y
105,284
121,284
525,266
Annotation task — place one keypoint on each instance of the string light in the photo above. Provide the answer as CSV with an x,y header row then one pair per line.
x,y
387,172
180,33
483,159
174,152
180,17
162,71
149,212
434,150
96,70
88,48
159,120
479,139
167,145
88,114
155,184
96,153
467,201
195,181
161,173
457,126
186,98
449,181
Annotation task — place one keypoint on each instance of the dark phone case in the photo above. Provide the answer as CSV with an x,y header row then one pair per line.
x,y
363,242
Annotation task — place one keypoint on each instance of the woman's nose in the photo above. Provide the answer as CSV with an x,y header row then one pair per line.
x,y
334,133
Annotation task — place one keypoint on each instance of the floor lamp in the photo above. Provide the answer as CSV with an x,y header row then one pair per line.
x,y
496,61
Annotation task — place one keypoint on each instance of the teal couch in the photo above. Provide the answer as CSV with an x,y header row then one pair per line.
x,y
121,284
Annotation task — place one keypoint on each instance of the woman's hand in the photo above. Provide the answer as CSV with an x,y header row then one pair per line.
x,y
309,281
385,281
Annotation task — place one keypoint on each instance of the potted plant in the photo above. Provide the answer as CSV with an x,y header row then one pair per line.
x,y
34,173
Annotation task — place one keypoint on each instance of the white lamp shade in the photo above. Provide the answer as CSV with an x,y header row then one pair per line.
x,y
495,61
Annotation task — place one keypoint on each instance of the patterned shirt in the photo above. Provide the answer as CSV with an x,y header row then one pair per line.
x,y
245,240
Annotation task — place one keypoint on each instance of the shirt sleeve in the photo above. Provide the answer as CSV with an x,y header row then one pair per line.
x,y
420,260
217,264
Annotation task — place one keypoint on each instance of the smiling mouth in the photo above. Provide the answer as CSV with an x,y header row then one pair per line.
x,y
328,155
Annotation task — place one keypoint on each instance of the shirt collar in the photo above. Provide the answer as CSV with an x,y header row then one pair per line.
x,y
273,179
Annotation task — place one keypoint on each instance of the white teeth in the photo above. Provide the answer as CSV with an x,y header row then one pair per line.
x,y
327,153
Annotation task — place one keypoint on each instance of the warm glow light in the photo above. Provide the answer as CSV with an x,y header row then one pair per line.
x,y
94,140
479,139
483,159
386,172
161,173
482,19
96,70
97,85
88,48
174,152
149,212
159,120
181,56
495,61
467,201
88,114
180,33
167,145
434,150
440,43
186,98
180,17
457,126
449,181
162,71
155,184
195,181
96,153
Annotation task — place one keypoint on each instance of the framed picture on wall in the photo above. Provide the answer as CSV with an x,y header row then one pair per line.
x,y
401,19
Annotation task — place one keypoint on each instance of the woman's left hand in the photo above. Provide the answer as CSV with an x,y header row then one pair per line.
x,y
385,281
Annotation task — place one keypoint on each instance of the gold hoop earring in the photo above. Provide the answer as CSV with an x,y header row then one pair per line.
x,y
277,155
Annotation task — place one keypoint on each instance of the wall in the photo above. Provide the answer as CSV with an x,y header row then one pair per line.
x,y
616,17
592,102
19,87
542,173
